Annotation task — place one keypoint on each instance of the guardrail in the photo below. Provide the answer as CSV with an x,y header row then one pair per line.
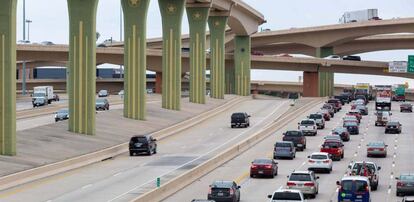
x,y
181,181
33,174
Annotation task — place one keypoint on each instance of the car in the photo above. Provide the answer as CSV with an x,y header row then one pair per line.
x,y
142,144
102,45
285,195
39,101
382,118
265,167
121,93
357,102
352,57
350,118
56,97
362,99
393,127
103,93
308,127
326,114
352,127
405,184
336,109
224,191
354,188
330,108
47,43
406,107
342,132
343,97
320,161
333,147
377,148
363,109
333,137
305,181
102,103
150,91
297,137
240,119
284,149
62,114
283,55
337,104
367,169
355,113
320,121
333,57
408,199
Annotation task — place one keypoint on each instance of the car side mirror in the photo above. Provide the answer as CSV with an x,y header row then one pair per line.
x,y
298,123
308,157
284,134
248,115
338,183
317,177
349,166
238,187
154,139
397,178
269,196
386,145
379,167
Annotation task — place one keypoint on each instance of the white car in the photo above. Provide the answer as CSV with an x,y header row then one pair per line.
x,y
333,57
308,127
320,161
286,195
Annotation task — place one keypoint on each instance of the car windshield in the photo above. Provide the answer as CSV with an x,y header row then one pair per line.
x,y
222,184
392,123
139,139
63,111
283,144
291,196
40,100
338,130
103,91
307,122
293,133
100,101
330,145
300,177
262,161
407,177
358,167
315,116
376,144
350,123
319,156
39,94
237,115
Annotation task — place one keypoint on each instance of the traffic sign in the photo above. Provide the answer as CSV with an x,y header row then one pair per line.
x,y
410,66
397,67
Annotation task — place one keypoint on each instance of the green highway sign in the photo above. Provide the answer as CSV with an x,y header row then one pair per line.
x,y
410,65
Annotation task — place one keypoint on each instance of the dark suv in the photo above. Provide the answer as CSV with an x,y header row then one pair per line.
x,y
224,191
297,137
240,119
142,144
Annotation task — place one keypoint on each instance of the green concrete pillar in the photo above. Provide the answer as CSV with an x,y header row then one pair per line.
x,y
197,15
230,80
8,77
172,13
325,78
242,65
217,26
82,65
135,58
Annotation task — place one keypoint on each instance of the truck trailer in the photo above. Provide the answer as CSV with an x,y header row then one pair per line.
x,y
383,97
45,92
359,16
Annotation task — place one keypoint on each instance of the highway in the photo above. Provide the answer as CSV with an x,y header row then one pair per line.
x,y
254,190
121,178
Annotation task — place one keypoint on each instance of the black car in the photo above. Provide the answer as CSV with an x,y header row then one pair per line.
x,y
352,127
61,115
102,103
224,191
240,119
39,101
352,57
142,144
103,93
393,127
344,98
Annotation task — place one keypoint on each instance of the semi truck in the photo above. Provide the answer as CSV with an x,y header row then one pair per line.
x,y
398,92
383,97
359,16
45,92
363,89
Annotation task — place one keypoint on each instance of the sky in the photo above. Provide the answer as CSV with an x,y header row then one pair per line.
x,y
50,23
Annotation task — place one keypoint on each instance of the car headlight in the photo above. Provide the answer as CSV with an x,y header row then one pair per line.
x,y
55,115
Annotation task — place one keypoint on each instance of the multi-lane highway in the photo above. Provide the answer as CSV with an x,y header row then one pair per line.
x,y
121,178
257,189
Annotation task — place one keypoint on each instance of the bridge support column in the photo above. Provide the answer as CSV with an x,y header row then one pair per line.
x,y
82,65
310,84
217,25
135,58
158,82
229,80
326,79
8,77
197,14
172,14
242,65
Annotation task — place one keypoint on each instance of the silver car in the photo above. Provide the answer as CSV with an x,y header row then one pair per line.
x,y
304,181
378,148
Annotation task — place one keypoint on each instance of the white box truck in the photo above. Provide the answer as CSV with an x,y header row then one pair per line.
x,y
359,16
43,91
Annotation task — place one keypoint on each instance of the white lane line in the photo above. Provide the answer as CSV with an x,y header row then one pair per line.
x,y
117,174
87,186
209,152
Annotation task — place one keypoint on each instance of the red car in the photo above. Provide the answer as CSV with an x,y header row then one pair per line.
x,y
264,167
333,147
326,114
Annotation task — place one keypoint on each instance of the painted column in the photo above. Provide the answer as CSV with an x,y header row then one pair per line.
x,y
82,65
242,65
8,77
197,15
158,82
217,26
172,13
325,78
135,58
230,81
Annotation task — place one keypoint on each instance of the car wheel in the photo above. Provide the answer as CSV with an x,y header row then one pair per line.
x,y
272,176
342,156
149,152
232,126
155,150
131,153
251,176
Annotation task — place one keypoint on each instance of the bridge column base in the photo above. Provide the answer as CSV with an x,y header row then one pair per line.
x,y
158,82
310,84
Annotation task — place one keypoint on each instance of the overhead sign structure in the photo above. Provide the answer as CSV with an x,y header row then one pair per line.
x,y
398,67
410,66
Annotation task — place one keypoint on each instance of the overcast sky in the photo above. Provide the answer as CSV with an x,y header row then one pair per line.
x,y
50,22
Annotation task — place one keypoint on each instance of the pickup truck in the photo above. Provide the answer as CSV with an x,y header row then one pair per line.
x,y
308,127
320,121
297,137
334,148
367,169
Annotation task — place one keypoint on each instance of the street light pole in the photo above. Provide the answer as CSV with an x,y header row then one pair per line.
x,y
120,38
24,39
28,29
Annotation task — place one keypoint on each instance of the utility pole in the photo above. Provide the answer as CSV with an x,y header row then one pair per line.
x,y
120,39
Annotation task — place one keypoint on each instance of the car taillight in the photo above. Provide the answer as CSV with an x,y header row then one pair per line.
x,y
231,192
254,166
290,184
268,166
370,149
381,149
326,161
367,188
309,184
311,161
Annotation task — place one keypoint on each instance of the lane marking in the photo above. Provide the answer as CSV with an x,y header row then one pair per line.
x,y
87,186
117,174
